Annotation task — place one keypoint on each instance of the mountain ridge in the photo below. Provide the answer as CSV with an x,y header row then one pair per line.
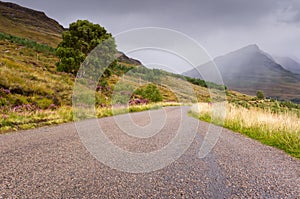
x,y
30,24
249,69
51,25
289,64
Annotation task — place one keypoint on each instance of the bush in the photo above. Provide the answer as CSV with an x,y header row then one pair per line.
x,y
3,101
205,84
44,103
289,104
260,95
296,100
150,92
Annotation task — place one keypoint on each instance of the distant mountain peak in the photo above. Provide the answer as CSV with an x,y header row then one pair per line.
x,y
244,51
251,47
249,69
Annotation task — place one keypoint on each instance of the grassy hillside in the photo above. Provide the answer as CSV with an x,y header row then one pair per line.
x,y
30,24
33,93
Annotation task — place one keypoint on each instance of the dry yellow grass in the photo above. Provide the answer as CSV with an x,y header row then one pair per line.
x,y
281,130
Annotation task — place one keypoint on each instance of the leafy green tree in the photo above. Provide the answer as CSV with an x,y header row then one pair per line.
x,y
260,95
78,41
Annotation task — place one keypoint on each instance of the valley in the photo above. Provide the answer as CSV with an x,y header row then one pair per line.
x,y
81,119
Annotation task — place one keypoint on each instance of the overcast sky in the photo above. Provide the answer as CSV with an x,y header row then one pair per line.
x,y
220,26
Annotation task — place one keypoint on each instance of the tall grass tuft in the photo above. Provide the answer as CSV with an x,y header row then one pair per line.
x,y
281,130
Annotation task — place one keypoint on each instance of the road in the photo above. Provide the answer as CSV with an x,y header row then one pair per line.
x,y
52,162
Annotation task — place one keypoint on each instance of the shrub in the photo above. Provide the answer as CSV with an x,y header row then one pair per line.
x,y
260,95
44,103
3,101
150,92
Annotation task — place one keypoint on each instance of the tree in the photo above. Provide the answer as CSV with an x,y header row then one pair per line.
x,y
260,95
78,41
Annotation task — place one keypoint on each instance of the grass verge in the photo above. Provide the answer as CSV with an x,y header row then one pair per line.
x,y
280,130
14,121
108,111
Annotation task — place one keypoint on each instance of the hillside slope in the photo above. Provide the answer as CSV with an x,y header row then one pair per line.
x,y
27,23
250,69
33,93
289,64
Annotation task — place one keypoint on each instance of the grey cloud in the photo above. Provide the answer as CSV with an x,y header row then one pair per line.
x,y
289,13
222,25
227,12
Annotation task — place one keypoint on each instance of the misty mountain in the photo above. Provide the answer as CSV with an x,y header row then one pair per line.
x,y
250,69
289,64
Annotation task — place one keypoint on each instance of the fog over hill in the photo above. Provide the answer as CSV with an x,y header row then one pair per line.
x,y
250,69
289,64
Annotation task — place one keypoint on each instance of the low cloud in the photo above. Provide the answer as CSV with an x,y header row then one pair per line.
x,y
220,26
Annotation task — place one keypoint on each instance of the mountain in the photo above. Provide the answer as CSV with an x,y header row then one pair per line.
x,y
31,24
250,69
124,59
289,64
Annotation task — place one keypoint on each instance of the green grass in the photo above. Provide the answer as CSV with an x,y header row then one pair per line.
x,y
41,48
13,121
108,111
30,77
23,120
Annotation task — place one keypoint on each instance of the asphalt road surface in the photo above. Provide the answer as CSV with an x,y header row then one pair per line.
x,y
53,162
